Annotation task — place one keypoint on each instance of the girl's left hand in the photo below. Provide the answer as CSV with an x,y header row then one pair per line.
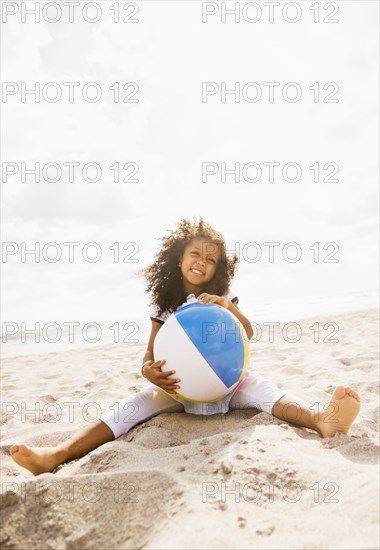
x,y
213,299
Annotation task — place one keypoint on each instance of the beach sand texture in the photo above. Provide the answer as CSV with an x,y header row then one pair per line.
x,y
241,480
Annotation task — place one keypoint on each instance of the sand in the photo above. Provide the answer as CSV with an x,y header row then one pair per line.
x,y
241,480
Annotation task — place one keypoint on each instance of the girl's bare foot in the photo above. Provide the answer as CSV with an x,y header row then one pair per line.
x,y
340,413
38,460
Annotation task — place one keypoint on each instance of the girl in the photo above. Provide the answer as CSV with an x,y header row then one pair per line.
x,y
191,265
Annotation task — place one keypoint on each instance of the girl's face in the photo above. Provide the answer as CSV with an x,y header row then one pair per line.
x,y
198,264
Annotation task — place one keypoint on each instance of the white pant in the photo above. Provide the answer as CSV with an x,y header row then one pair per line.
x,y
254,392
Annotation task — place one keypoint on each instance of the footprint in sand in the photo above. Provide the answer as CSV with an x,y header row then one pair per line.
x,y
345,361
48,398
265,532
242,521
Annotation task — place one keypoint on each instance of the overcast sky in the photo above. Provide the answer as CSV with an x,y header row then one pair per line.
x,y
170,132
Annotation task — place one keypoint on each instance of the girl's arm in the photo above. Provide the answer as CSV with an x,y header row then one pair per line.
x,y
149,349
222,301
152,370
242,318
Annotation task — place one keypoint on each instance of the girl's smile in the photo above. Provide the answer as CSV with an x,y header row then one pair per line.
x,y
196,271
198,264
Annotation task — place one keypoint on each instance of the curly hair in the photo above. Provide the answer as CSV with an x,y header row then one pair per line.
x,y
163,276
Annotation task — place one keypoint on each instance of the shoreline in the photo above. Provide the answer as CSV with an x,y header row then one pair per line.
x,y
81,346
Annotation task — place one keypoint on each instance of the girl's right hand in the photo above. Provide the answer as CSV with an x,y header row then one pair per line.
x,y
161,379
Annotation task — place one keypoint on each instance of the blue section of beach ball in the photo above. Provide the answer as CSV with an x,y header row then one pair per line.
x,y
216,335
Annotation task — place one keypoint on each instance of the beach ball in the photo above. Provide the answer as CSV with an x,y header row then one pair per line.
x,y
207,347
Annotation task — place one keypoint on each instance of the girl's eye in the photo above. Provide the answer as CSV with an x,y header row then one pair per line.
x,y
196,253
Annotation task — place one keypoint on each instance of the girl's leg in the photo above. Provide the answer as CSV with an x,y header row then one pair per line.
x,y
39,460
336,417
139,408
132,411
257,392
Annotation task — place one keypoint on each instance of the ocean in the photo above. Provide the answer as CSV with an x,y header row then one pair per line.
x,y
30,338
